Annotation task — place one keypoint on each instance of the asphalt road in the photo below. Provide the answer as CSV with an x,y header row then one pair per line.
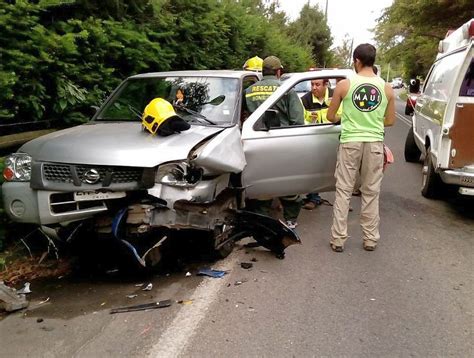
x,y
413,296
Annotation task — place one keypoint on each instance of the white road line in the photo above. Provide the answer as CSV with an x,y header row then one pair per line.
x,y
174,341
403,119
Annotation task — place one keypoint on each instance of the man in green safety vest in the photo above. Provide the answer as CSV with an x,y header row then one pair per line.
x,y
289,111
368,106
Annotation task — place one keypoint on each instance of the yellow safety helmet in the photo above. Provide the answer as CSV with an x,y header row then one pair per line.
x,y
253,64
160,118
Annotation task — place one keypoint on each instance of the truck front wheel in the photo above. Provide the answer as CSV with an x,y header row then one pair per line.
x,y
412,153
431,183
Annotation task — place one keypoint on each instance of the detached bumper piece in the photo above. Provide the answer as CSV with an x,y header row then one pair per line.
x,y
268,232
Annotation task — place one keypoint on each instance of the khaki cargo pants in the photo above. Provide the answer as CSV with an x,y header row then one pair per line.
x,y
366,157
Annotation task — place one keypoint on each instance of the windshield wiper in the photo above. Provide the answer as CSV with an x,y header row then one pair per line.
x,y
194,113
135,111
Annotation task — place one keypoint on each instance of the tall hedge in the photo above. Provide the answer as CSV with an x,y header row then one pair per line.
x,y
60,57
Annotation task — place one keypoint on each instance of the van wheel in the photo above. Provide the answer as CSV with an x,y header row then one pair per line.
x,y
431,182
412,153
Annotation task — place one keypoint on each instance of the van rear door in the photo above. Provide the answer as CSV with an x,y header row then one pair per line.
x,y
461,133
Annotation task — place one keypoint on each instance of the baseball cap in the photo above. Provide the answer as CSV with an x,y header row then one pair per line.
x,y
272,63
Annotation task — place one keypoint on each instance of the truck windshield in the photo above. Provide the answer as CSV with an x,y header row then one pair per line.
x,y
214,98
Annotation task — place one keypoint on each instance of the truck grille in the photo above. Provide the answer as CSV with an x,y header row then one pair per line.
x,y
64,173
62,203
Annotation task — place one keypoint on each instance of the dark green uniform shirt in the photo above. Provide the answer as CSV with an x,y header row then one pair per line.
x,y
289,108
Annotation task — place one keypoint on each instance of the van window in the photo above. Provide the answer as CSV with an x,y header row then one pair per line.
x,y
467,86
442,76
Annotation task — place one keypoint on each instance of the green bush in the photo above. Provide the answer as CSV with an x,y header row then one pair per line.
x,y
59,58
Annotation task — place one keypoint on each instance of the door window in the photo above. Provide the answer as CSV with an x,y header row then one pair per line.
x,y
442,77
467,86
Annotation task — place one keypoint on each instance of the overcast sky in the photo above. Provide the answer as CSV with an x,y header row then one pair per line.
x,y
355,17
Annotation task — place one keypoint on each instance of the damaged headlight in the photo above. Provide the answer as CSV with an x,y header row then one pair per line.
x,y
178,174
17,167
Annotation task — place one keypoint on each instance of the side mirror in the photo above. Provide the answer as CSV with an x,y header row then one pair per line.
x,y
270,119
216,101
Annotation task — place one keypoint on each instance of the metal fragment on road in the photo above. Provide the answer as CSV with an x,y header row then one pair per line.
x,y
10,300
131,296
148,287
142,307
25,289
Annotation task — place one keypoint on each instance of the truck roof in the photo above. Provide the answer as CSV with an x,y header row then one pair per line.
x,y
197,73
457,39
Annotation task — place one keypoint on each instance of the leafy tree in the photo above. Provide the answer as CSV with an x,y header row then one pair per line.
x,y
60,57
342,56
411,29
311,29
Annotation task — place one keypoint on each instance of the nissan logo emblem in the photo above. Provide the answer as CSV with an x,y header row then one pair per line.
x,y
92,176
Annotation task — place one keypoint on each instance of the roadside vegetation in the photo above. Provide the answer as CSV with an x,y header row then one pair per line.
x,y
408,33
59,58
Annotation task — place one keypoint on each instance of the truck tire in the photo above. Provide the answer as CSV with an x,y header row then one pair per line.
x,y
431,182
412,153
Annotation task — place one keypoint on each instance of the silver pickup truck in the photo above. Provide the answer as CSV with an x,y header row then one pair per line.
x,y
113,176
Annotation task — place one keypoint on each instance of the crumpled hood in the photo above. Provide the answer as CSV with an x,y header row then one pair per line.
x,y
115,144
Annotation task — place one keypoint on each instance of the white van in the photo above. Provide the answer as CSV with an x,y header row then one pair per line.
x,y
443,122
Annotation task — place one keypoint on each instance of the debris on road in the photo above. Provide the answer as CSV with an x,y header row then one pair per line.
x,y
188,274
25,289
185,302
246,265
10,300
39,320
211,273
238,283
44,301
139,284
148,287
131,296
253,259
142,307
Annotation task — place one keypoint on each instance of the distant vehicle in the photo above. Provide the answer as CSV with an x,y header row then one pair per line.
x,y
443,129
413,93
411,103
397,82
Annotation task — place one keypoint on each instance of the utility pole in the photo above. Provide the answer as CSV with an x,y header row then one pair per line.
x,y
350,52
326,11
388,72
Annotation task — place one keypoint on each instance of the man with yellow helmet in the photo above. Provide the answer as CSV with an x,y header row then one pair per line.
x,y
253,64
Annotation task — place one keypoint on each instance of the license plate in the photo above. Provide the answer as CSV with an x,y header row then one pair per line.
x,y
95,195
